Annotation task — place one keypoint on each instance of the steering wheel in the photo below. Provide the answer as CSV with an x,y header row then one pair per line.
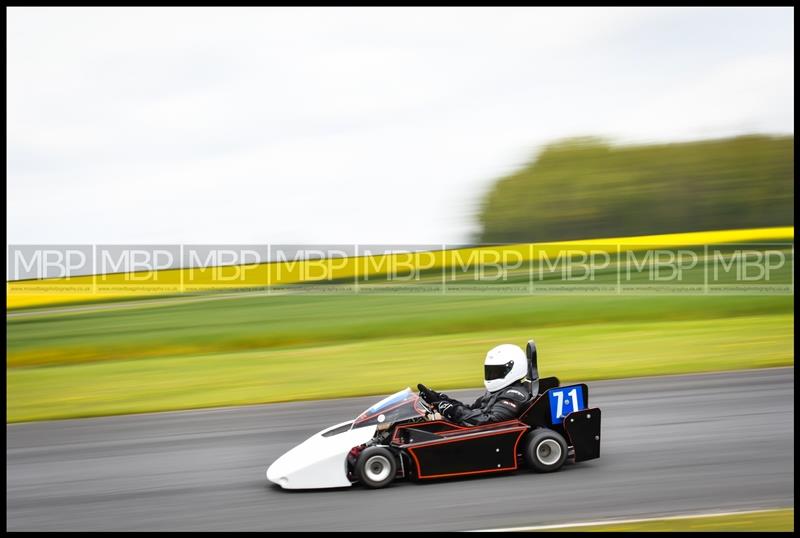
x,y
430,411
425,404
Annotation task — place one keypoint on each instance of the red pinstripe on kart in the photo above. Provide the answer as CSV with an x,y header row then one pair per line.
x,y
403,437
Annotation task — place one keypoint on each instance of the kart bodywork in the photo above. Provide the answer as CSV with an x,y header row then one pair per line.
x,y
402,437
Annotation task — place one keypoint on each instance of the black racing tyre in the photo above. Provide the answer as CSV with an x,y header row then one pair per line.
x,y
376,467
545,450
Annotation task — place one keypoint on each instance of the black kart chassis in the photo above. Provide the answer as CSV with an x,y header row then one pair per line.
x,y
440,449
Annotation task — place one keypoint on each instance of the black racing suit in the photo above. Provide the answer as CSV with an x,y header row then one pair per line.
x,y
504,404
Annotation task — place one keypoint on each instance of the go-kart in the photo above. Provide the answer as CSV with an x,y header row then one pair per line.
x,y
402,437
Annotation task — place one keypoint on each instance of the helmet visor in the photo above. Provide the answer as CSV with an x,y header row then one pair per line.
x,y
497,371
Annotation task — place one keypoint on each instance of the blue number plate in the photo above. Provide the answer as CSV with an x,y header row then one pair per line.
x,y
565,400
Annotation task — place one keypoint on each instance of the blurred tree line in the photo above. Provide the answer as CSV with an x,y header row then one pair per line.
x,y
588,188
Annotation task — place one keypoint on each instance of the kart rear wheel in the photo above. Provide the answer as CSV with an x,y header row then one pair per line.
x,y
376,467
545,450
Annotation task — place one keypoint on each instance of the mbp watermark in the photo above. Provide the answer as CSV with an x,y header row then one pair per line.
x,y
573,268
47,270
311,268
137,269
659,269
233,267
591,268
757,268
36,262
747,265
660,265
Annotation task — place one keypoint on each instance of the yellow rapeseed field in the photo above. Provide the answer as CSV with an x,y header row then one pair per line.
x,y
89,288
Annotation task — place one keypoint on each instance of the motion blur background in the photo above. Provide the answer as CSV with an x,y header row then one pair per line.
x,y
358,125
352,126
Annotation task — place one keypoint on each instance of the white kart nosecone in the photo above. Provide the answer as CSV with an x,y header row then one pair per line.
x,y
319,461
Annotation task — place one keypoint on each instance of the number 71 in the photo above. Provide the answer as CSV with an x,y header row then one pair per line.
x,y
572,402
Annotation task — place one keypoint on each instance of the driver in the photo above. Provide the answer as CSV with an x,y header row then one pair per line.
x,y
507,390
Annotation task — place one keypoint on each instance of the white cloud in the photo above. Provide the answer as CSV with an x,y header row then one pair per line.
x,y
349,124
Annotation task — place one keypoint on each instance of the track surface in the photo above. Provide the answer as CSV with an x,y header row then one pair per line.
x,y
676,444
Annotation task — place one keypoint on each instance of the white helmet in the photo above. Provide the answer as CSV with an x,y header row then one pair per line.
x,y
504,365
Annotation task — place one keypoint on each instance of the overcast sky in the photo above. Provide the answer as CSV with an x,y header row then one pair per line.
x,y
356,125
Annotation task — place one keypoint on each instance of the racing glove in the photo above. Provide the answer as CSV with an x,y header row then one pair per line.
x,y
445,409
430,396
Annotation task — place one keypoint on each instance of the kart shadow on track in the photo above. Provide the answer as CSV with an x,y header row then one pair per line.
x,y
422,483
278,489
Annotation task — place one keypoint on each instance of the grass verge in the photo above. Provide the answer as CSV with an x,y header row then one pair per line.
x,y
779,520
382,365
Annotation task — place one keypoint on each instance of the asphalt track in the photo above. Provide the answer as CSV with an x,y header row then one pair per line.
x,y
671,445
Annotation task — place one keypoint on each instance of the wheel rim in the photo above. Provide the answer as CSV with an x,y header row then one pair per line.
x,y
377,468
548,452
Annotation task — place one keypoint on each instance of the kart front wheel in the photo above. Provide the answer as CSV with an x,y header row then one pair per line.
x,y
545,451
376,467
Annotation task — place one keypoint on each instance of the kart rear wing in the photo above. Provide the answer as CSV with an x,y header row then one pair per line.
x,y
566,410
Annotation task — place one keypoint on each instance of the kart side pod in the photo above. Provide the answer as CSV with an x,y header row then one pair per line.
x,y
566,410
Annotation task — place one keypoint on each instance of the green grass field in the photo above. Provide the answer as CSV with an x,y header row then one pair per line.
x,y
267,349
215,350
260,322
780,520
